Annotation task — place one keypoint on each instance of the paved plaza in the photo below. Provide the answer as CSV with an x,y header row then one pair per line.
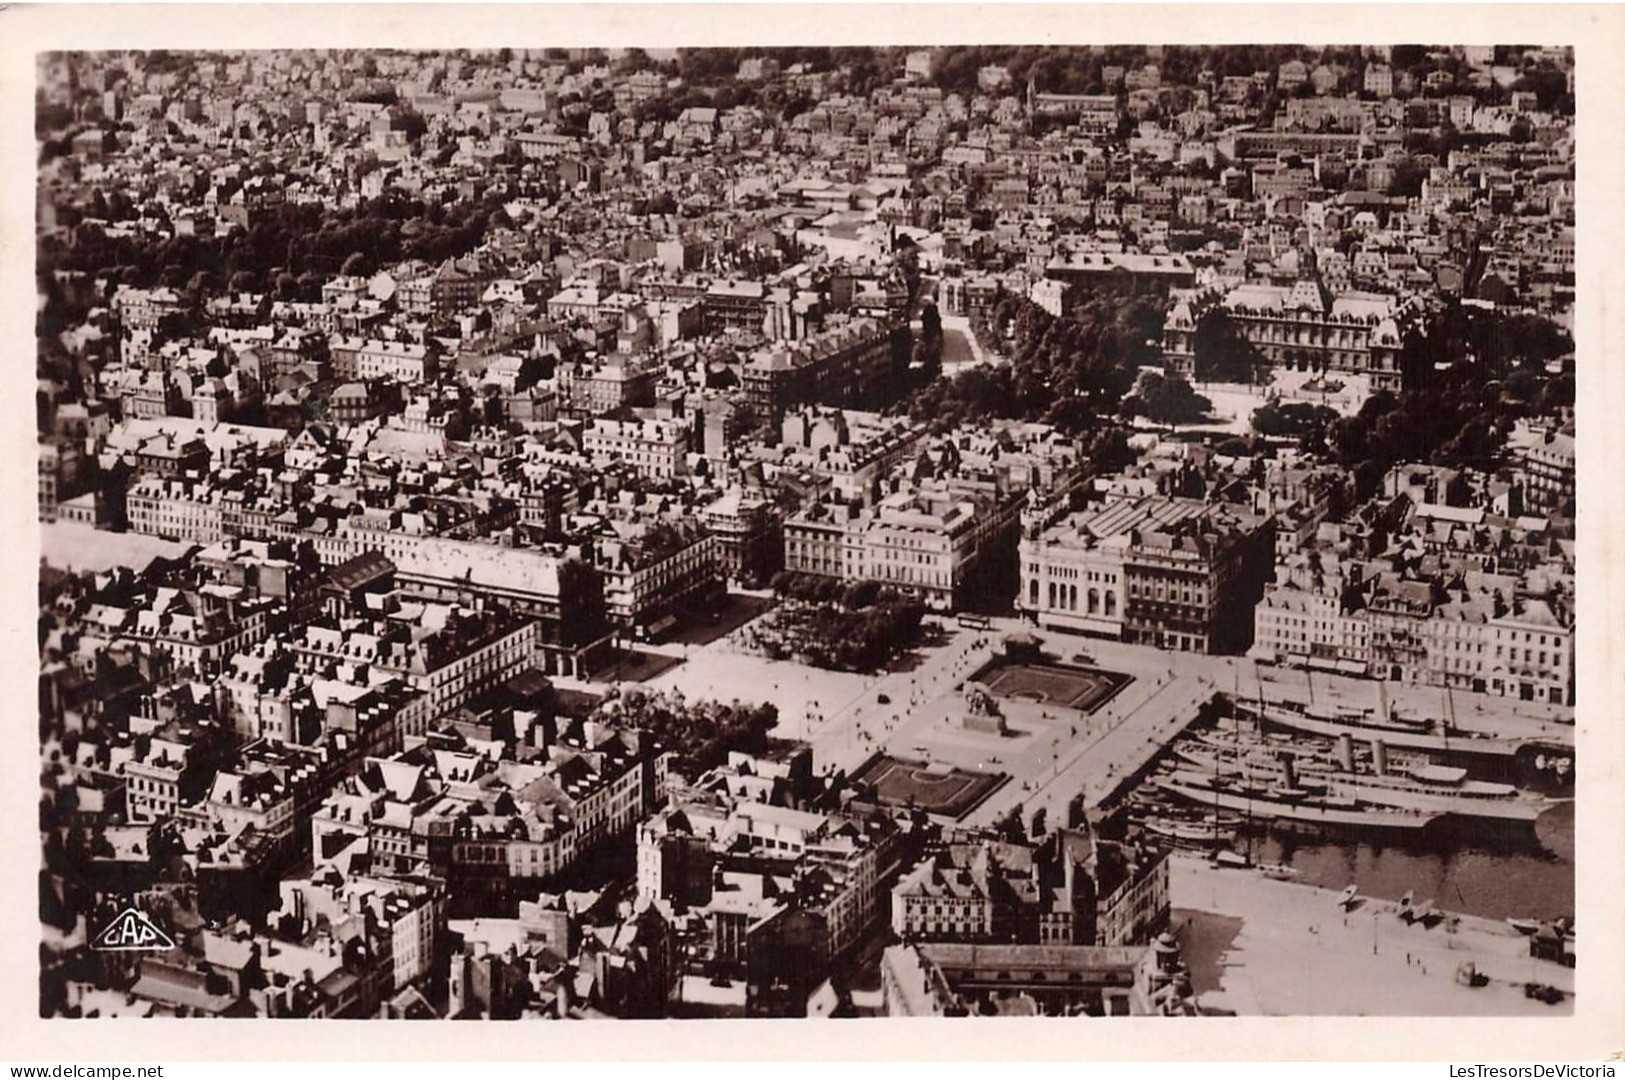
x,y
1052,754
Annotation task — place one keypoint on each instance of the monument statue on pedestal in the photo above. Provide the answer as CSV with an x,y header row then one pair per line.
x,y
982,711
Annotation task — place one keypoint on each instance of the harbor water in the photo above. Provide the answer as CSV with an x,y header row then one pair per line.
x,y
1466,870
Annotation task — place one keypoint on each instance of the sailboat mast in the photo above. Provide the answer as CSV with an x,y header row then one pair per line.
x,y
1247,821
1215,803
1258,677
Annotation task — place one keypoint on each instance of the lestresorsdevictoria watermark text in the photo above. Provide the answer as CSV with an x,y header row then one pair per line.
x,y
1532,1072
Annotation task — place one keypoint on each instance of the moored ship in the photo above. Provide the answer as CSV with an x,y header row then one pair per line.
x,y
1436,737
1429,788
1295,805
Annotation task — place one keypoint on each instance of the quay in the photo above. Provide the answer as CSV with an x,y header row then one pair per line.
x,y
1249,939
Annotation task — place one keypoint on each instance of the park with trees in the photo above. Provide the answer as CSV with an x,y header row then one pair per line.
x,y
291,249
860,626
1069,371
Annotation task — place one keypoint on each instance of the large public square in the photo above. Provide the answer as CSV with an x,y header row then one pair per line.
x,y
1056,747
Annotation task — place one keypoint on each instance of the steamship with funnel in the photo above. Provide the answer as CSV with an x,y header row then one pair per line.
x,y
1263,801
1416,786
1547,759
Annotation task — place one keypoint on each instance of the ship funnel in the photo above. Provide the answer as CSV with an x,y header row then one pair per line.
x,y
1379,757
1345,752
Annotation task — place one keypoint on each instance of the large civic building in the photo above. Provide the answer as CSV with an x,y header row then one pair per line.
x,y
1302,325
1180,574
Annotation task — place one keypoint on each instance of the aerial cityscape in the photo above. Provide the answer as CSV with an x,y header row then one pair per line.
x,y
544,533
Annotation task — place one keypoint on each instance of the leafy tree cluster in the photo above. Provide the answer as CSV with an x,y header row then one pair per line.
x,y
927,350
1166,399
817,589
705,66
285,244
1292,419
698,734
1460,417
1546,79
858,626
776,99
1063,70
1494,341
1469,379
1066,371
1407,177
52,118
414,124
1079,69
1550,87
709,66
979,394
